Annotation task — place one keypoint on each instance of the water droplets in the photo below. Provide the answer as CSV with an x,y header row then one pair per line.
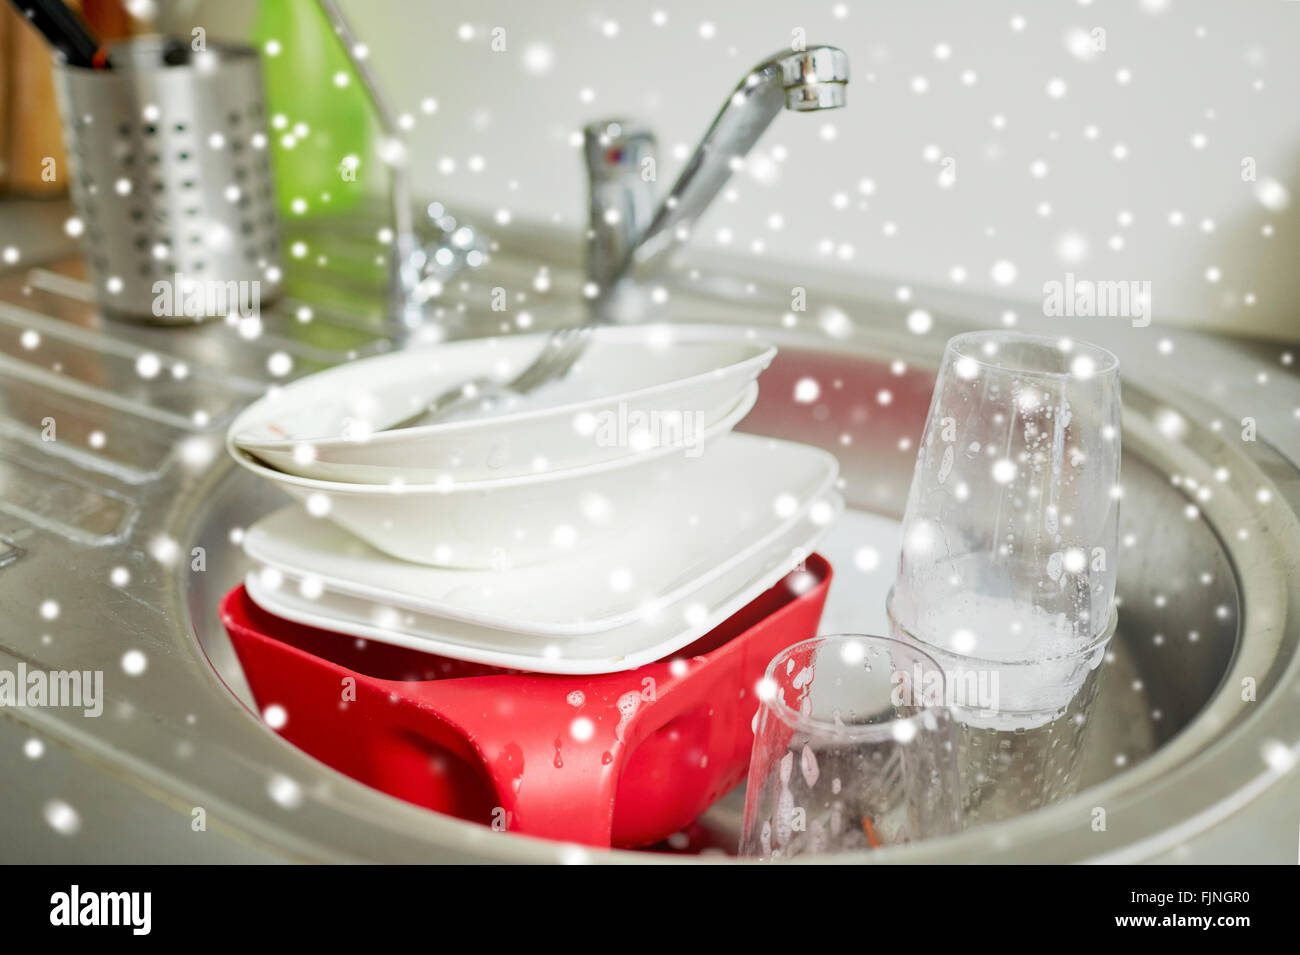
x,y
627,704
808,766
945,464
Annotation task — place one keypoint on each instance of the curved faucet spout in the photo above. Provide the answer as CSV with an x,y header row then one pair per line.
x,y
630,238
810,80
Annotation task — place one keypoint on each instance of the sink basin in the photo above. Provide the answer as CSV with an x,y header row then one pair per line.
x,y
134,533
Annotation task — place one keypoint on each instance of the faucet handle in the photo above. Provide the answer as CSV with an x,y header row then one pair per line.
x,y
621,173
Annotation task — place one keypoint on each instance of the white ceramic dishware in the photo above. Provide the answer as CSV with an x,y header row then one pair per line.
x,y
672,552
634,389
644,640
512,521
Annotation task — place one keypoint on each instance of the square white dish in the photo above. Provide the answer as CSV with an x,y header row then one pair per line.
x,y
745,493
643,641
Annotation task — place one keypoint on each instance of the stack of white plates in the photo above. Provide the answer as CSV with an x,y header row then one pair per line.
x,y
612,520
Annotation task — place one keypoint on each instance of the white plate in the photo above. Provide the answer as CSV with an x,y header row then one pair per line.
x,y
634,388
748,492
512,521
623,648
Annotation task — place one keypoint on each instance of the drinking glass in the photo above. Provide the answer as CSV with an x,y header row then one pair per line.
x,y
1008,563
853,749
1020,724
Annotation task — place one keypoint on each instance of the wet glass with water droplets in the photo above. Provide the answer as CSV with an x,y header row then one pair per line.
x,y
853,750
1010,537
1009,556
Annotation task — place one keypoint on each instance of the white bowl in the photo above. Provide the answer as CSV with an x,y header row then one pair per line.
x,y
506,522
634,389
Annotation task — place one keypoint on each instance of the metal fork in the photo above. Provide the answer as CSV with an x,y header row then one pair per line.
x,y
557,357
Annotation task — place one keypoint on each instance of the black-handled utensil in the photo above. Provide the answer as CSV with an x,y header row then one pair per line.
x,y
64,31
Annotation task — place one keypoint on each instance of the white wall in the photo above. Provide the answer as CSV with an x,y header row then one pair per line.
x,y
1225,71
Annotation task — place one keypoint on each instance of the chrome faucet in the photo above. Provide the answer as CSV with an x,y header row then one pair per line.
x,y
628,235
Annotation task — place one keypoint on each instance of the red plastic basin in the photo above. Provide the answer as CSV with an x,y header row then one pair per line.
x,y
622,759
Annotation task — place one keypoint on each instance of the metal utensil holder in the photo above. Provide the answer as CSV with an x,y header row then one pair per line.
x,y
172,180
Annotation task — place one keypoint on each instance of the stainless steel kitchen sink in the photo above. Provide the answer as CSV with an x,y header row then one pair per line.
x,y
129,521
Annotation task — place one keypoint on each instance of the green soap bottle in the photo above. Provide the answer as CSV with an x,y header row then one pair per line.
x,y
322,148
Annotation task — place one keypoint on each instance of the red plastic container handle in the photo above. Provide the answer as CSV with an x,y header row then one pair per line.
x,y
623,759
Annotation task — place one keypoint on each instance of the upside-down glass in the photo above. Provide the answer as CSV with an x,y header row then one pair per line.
x,y
853,749
1008,564
1021,723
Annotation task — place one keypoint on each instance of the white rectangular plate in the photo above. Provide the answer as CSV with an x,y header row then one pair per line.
x,y
631,645
747,492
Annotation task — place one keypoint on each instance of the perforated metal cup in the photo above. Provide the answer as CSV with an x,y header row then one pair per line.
x,y
172,180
